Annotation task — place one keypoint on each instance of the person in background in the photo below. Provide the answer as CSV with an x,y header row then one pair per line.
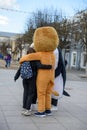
x,y
29,85
8,60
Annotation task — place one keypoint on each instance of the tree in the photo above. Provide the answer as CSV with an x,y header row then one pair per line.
x,y
83,24
5,45
45,18
18,46
28,36
81,29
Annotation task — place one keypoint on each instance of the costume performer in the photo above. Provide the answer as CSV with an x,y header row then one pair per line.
x,y
60,79
45,42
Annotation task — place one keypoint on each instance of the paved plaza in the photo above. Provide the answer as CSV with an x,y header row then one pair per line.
x,y
71,114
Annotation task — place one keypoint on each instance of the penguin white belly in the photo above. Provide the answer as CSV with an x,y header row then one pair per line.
x,y
58,86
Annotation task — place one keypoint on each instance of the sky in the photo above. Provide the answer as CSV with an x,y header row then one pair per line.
x,y
15,13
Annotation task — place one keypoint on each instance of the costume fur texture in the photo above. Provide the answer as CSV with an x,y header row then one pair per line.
x,y
45,42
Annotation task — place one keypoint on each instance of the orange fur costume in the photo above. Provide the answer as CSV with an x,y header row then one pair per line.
x,y
45,42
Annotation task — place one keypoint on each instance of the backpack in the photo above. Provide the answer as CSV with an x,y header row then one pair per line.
x,y
26,70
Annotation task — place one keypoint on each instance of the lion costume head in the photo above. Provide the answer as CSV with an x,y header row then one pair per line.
x,y
45,39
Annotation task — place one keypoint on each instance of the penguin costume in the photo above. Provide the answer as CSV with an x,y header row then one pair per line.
x,y
60,78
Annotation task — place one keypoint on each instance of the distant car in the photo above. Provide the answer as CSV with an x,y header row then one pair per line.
x,y
1,56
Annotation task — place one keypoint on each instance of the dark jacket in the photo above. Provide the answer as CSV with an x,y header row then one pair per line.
x,y
35,66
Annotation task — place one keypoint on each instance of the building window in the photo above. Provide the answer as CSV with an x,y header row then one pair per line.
x,y
73,59
83,60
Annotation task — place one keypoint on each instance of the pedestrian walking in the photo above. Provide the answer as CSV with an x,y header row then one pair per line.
x,y
7,60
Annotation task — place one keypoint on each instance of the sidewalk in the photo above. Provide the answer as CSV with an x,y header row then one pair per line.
x,y
14,64
71,114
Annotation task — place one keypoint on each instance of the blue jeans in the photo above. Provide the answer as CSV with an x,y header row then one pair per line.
x,y
8,62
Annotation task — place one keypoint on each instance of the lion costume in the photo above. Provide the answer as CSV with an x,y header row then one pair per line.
x,y
45,42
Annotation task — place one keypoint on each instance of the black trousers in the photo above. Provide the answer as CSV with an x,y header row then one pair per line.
x,y
54,102
30,92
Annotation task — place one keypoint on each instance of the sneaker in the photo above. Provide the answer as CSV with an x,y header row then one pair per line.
x,y
23,110
54,108
48,112
40,114
27,113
